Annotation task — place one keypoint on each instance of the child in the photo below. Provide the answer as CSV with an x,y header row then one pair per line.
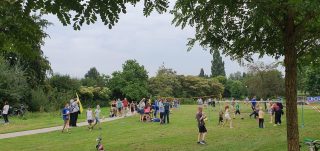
x,y
261,118
271,112
97,112
90,118
66,117
227,116
220,118
201,125
237,110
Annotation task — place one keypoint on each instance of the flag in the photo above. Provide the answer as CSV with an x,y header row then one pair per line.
x,y
80,105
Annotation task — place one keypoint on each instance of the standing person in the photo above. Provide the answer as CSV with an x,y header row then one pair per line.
x,y
201,125
227,116
161,110
5,112
166,111
119,107
280,112
261,118
97,112
74,111
271,112
114,108
277,114
156,108
141,106
90,118
132,107
214,102
125,106
200,101
247,100
66,117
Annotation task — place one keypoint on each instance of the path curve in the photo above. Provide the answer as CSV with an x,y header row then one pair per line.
x,y
51,129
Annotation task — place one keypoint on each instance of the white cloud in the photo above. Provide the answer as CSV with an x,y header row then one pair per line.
x,y
151,41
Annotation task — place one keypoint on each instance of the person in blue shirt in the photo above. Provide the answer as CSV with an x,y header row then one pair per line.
x,y
66,117
156,108
166,111
253,103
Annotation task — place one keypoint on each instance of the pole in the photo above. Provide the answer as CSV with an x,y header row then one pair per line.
x,y
208,112
302,118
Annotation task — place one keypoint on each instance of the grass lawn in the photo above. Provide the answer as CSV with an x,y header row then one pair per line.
x,y
39,120
181,134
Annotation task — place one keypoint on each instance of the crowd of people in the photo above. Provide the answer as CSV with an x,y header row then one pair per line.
x,y
150,111
259,108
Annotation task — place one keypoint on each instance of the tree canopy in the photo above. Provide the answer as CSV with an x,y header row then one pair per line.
x,y
288,28
78,12
131,82
217,65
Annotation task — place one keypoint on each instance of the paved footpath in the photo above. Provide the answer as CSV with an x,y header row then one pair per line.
x,y
50,129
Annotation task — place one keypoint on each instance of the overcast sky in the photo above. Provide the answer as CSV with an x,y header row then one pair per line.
x,y
151,41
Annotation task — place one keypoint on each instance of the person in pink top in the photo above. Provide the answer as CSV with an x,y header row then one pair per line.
x,y
147,110
125,106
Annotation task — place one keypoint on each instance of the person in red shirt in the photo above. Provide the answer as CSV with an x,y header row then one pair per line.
x,y
125,106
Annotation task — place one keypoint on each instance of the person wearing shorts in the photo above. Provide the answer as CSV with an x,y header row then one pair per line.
x,y
66,117
119,107
200,116
97,112
90,118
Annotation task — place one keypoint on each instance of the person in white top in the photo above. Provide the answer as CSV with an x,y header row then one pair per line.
x,y
74,111
90,118
200,101
5,112
97,112
227,117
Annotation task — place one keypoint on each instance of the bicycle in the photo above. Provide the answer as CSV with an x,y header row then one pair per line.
x,y
313,145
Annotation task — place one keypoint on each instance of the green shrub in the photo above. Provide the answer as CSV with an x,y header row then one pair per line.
x,y
39,101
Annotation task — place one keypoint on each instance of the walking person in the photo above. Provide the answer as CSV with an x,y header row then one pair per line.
x,y
5,112
227,116
201,126
125,106
90,118
166,111
261,118
66,117
97,112
119,107
253,103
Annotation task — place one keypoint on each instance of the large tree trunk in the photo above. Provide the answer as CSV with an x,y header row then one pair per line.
x,y
290,61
